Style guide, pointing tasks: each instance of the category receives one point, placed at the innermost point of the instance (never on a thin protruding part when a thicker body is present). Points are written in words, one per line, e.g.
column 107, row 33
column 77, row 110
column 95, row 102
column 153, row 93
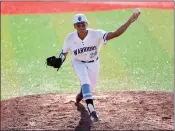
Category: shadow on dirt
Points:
column 85, row 122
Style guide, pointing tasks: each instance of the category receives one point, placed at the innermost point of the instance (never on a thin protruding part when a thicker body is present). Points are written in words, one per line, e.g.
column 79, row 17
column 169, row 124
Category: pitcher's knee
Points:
column 93, row 84
column 87, row 94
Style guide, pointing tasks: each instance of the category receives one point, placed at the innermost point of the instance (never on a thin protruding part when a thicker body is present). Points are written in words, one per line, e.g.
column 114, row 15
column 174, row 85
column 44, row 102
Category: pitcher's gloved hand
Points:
column 54, row 62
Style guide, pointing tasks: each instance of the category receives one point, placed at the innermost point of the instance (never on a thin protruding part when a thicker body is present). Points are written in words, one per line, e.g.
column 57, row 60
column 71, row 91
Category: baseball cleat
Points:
column 94, row 116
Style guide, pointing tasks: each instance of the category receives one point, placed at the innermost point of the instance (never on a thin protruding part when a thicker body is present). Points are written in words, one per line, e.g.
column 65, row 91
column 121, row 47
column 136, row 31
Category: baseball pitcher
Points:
column 84, row 45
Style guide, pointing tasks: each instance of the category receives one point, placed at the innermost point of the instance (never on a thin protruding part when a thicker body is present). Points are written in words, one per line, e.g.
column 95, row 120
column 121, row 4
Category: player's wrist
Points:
column 62, row 57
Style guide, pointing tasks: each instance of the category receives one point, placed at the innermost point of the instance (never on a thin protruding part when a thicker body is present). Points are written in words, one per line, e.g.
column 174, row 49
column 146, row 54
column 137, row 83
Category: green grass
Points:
column 140, row 59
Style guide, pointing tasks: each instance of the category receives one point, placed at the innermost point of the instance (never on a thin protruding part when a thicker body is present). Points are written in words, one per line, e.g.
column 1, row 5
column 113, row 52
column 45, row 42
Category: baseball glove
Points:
column 54, row 62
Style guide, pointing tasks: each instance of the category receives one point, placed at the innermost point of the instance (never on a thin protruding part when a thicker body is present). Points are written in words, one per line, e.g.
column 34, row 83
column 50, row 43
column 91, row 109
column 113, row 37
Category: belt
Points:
column 90, row 61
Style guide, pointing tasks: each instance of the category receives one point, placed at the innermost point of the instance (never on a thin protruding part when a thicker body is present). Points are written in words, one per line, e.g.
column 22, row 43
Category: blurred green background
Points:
column 140, row 59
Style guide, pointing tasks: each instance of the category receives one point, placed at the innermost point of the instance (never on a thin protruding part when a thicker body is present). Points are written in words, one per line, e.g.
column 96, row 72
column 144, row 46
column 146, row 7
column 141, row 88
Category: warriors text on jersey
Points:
column 87, row 49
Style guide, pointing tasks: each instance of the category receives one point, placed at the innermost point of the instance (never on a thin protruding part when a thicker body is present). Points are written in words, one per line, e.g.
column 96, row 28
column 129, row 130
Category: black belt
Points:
column 90, row 61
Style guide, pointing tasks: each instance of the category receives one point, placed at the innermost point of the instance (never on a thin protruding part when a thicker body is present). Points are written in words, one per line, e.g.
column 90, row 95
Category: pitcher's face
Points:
column 81, row 27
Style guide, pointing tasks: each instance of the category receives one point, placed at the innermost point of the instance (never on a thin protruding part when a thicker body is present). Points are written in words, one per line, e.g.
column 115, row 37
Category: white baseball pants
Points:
column 87, row 72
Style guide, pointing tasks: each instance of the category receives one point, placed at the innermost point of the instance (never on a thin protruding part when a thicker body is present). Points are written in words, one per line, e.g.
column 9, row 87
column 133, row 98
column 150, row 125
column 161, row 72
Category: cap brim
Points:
column 81, row 22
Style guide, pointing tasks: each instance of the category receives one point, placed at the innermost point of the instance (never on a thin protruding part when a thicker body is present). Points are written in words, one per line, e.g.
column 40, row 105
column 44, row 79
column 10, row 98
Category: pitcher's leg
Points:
column 86, row 94
column 93, row 72
column 81, row 71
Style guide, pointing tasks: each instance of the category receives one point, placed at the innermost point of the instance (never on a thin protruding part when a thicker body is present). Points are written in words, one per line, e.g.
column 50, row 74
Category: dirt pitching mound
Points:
column 118, row 111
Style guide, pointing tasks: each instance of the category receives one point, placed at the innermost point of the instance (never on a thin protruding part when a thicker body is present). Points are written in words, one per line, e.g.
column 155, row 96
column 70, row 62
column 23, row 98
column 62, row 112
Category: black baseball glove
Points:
column 54, row 62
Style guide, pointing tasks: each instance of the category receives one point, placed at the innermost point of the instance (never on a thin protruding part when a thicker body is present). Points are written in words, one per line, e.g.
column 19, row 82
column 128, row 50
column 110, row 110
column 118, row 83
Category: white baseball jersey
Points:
column 87, row 49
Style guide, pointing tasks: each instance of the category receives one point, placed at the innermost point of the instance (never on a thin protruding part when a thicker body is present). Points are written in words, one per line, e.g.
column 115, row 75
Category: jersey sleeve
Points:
column 102, row 36
column 66, row 46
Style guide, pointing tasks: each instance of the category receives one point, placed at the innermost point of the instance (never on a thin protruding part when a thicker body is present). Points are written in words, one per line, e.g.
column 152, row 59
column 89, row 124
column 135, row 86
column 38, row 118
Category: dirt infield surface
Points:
column 118, row 111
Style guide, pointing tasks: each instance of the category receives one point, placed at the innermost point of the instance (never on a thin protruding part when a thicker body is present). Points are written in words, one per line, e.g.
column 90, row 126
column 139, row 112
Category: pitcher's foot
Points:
column 94, row 116
column 79, row 97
